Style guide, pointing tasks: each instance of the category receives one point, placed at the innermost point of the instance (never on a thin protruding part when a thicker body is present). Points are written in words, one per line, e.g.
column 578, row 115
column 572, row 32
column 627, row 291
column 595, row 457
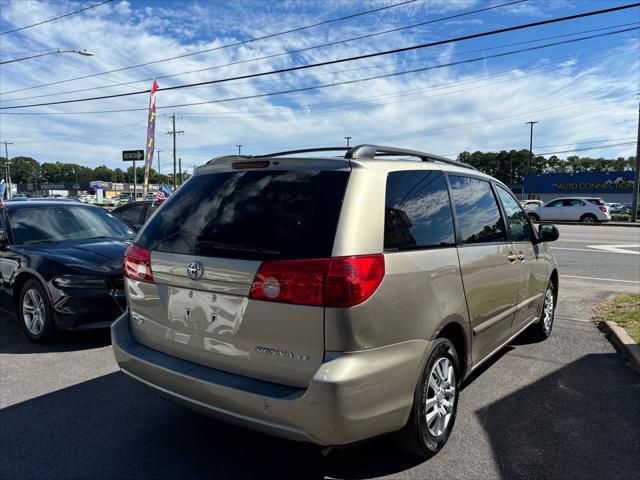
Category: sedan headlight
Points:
column 79, row 281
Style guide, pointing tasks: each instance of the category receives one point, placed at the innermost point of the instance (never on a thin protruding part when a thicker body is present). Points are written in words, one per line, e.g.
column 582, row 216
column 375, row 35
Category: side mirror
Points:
column 548, row 232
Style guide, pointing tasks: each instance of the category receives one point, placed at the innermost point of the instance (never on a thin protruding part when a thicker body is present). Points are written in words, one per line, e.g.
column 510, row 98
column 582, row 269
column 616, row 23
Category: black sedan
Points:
column 136, row 213
column 61, row 265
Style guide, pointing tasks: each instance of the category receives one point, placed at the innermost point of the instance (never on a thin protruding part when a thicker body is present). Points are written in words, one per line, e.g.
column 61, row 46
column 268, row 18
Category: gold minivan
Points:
column 332, row 299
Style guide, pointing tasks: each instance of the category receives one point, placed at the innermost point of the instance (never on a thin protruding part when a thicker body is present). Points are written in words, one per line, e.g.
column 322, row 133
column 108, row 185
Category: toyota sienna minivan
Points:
column 332, row 299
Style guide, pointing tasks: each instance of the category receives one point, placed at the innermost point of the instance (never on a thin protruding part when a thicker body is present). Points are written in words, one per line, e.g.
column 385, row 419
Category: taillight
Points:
column 137, row 264
column 352, row 280
column 329, row 282
column 602, row 208
column 290, row 281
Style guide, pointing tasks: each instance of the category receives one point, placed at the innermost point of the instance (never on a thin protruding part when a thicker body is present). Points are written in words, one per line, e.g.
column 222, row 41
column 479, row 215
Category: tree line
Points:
column 507, row 166
column 511, row 166
column 29, row 170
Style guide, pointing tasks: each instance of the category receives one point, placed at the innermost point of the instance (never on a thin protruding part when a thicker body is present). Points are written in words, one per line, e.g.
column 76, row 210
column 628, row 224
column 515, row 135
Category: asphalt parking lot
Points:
column 565, row 408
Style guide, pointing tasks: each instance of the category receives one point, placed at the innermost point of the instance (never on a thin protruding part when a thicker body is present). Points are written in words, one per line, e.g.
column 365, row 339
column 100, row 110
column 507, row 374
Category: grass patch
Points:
column 620, row 217
column 622, row 309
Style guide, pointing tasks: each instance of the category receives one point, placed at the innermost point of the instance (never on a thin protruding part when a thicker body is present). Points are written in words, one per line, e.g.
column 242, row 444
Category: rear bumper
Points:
column 351, row 397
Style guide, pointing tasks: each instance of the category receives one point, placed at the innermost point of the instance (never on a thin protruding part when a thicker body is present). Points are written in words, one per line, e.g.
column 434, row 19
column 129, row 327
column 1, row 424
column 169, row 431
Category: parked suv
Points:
column 331, row 300
column 571, row 209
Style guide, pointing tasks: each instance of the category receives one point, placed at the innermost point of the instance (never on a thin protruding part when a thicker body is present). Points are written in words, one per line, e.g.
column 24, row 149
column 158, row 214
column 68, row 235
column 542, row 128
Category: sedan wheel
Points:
column 33, row 312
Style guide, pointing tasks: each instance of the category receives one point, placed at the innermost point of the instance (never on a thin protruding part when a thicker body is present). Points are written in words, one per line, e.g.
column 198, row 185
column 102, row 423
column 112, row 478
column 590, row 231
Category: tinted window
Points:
column 250, row 214
column 57, row 224
column 417, row 210
column 150, row 210
column 476, row 210
column 131, row 213
column 572, row 203
column 557, row 203
column 518, row 222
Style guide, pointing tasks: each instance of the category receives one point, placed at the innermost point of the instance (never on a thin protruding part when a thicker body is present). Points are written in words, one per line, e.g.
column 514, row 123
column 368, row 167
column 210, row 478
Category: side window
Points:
column 573, row 203
column 518, row 221
column 2, row 229
column 478, row 215
column 557, row 203
column 417, row 210
column 150, row 210
column 131, row 214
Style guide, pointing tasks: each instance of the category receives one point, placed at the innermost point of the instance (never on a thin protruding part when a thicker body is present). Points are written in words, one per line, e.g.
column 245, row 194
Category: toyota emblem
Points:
column 195, row 269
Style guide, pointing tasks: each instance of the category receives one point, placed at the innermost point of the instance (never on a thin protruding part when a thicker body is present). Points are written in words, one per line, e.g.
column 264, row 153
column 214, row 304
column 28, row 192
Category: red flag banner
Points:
column 151, row 132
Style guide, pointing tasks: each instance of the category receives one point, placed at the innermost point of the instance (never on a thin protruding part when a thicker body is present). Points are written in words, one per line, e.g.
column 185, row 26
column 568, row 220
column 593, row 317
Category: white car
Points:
column 532, row 204
column 571, row 209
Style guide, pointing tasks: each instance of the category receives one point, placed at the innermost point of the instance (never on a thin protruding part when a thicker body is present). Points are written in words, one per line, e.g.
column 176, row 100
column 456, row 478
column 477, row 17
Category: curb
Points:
column 600, row 224
column 621, row 339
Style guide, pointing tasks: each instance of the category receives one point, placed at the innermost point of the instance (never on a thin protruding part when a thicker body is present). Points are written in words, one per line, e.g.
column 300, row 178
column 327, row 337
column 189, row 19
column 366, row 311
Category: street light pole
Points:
column 7, row 167
column 347, row 139
column 83, row 52
column 530, row 157
column 636, row 181
column 239, row 148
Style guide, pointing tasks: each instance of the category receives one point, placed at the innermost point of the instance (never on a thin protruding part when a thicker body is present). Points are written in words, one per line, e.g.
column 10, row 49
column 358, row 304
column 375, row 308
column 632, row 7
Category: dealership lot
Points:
column 564, row 408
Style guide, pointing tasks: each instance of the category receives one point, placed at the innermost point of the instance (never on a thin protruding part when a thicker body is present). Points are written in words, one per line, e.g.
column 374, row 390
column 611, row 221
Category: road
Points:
column 564, row 408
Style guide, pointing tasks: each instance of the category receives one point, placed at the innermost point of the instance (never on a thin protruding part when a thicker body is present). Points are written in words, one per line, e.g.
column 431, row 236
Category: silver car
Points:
column 332, row 299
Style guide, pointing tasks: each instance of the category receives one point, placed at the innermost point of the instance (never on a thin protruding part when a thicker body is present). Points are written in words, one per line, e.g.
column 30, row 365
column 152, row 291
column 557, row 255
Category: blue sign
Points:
column 586, row 182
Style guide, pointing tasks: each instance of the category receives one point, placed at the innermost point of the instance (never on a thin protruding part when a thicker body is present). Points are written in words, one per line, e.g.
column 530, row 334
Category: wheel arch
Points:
column 20, row 279
column 455, row 333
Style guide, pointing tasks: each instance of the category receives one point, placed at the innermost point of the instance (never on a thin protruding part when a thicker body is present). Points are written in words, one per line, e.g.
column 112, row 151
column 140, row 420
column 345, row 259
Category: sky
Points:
column 583, row 93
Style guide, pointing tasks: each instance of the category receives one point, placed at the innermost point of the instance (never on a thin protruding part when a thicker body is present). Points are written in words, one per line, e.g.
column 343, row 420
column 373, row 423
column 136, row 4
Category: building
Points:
column 610, row 186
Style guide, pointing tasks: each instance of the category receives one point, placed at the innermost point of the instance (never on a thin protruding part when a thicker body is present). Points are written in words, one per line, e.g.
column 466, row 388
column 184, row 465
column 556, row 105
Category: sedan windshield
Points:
column 61, row 223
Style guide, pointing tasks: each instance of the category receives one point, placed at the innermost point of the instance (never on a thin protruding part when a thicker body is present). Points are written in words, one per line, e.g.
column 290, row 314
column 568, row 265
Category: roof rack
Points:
column 372, row 151
column 358, row 152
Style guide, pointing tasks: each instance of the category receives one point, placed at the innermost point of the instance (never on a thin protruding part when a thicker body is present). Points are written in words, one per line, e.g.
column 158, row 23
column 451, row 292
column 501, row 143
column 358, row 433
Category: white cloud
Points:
column 576, row 99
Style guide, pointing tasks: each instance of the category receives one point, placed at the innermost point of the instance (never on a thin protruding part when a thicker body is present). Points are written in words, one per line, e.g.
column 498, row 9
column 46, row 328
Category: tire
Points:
column 34, row 312
column 423, row 437
column 534, row 217
column 588, row 218
column 541, row 330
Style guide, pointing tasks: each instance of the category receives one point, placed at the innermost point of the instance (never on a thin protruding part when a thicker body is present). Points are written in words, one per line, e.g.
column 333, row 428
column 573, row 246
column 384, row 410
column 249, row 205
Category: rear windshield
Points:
column 250, row 215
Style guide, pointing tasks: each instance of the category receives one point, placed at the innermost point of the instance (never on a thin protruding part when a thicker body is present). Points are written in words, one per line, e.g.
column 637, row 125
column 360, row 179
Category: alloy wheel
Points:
column 440, row 398
column 33, row 311
column 548, row 310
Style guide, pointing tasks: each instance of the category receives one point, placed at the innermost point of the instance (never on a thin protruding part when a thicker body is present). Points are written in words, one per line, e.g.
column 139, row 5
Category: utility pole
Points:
column 347, row 139
column 174, row 132
column 158, row 152
column 239, row 149
column 636, row 180
column 530, row 157
column 7, row 167
column 180, row 168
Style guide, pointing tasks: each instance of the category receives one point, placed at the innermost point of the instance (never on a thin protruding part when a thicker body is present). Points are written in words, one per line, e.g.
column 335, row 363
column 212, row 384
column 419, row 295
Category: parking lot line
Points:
column 600, row 279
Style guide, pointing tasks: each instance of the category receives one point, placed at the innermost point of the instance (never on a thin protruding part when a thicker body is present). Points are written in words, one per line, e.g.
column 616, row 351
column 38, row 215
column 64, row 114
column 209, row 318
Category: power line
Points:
column 234, row 44
column 584, row 143
column 56, row 18
column 344, row 106
column 345, row 82
column 275, row 55
column 597, row 147
column 348, row 59
column 131, row 83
